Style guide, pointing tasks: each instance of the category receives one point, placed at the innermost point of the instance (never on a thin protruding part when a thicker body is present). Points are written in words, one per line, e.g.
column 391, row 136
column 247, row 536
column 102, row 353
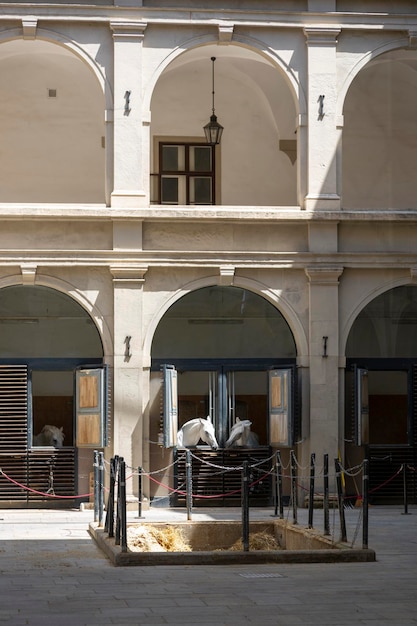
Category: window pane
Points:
column 173, row 158
column 169, row 190
column 200, row 190
column 200, row 159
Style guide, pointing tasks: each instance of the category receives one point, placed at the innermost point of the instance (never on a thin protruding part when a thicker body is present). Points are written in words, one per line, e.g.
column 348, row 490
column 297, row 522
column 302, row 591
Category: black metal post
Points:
column 189, row 481
column 405, row 489
column 123, row 512
column 311, row 494
column 276, row 487
column 294, row 486
column 101, row 488
column 326, row 495
column 109, row 525
column 140, row 476
column 96, row 484
column 279, row 503
column 245, row 506
column 118, row 501
column 343, row 534
column 365, row 504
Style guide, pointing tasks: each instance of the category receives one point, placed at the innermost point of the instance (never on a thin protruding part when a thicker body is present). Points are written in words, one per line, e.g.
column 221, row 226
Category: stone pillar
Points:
column 324, row 362
column 323, row 127
column 128, row 281
column 127, row 146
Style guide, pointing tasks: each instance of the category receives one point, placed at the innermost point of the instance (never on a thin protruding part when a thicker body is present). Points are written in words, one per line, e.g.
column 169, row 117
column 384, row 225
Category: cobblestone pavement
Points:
column 52, row 573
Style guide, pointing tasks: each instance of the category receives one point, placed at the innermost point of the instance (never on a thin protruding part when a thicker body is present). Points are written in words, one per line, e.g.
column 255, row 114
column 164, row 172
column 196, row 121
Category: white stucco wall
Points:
column 75, row 208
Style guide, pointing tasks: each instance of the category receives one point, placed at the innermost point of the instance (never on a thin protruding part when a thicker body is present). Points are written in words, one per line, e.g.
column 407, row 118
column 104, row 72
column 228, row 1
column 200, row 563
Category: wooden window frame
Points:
column 156, row 194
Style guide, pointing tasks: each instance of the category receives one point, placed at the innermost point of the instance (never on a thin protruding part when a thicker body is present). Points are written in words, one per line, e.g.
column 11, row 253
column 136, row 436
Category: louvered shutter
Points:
column 13, row 408
column 281, row 408
column 91, row 407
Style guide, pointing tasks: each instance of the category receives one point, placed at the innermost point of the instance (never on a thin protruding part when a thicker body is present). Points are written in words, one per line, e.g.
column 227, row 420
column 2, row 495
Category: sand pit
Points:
column 147, row 538
column 151, row 539
column 220, row 543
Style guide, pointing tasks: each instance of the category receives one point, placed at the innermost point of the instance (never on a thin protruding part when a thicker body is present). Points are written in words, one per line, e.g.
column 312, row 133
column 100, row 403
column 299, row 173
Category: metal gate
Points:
column 217, row 479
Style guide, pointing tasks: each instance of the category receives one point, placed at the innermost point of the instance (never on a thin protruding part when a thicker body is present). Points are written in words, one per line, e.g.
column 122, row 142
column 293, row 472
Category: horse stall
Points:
column 34, row 475
column 216, row 473
column 212, row 487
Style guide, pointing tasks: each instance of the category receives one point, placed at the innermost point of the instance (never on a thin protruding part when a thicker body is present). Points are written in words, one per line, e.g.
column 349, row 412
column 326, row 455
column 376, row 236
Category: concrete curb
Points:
column 333, row 555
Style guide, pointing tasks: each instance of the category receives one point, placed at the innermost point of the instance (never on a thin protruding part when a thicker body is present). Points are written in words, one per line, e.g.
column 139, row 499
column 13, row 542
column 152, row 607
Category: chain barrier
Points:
column 248, row 481
column 255, row 475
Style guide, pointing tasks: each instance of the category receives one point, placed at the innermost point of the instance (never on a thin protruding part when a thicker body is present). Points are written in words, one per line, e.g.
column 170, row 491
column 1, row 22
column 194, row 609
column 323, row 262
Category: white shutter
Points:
column 170, row 408
column 361, row 406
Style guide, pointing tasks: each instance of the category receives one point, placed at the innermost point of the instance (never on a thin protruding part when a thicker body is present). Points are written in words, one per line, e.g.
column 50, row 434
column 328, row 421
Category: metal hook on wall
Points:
column 127, row 102
column 321, row 106
column 325, row 355
column 128, row 352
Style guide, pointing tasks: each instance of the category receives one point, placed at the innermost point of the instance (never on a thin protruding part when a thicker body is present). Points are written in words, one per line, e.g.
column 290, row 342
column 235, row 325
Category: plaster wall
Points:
column 128, row 263
column 61, row 235
column 386, row 237
column 230, row 237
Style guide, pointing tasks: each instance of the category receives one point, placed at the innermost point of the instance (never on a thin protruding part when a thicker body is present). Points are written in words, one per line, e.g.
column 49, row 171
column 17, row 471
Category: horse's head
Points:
column 207, row 433
column 239, row 433
column 54, row 435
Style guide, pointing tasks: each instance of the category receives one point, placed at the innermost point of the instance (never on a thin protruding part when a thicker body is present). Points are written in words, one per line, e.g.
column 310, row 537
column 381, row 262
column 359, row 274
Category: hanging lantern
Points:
column 213, row 130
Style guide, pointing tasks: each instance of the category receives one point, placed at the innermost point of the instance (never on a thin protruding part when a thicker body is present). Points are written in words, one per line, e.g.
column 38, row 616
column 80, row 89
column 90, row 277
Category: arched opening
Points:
column 379, row 143
column 255, row 164
column 51, row 124
column 381, row 389
column 48, row 343
column 225, row 343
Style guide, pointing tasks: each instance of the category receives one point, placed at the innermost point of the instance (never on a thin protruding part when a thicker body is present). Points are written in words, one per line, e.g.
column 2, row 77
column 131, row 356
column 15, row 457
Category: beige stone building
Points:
column 273, row 272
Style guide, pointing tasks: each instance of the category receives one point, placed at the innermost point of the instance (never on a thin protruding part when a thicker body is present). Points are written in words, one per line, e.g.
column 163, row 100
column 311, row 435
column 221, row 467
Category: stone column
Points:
column 323, row 127
column 128, row 281
column 324, row 362
column 127, row 156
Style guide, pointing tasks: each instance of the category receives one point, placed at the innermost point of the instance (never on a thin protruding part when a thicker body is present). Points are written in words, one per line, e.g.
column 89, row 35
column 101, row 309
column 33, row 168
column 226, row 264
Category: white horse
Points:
column 196, row 429
column 50, row 436
column 241, row 435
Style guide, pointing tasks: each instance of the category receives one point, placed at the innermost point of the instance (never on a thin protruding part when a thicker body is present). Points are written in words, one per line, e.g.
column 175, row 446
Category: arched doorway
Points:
column 379, row 145
column 50, row 353
column 381, row 391
column 226, row 343
column 255, row 164
column 52, row 125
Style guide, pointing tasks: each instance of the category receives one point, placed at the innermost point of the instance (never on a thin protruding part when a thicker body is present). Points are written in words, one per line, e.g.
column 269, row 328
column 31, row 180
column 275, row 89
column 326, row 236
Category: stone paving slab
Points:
column 53, row 574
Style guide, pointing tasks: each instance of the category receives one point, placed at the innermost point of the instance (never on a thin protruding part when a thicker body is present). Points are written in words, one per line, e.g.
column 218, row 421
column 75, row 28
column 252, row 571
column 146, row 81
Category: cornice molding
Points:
column 324, row 275
column 128, row 30
column 321, row 36
column 128, row 273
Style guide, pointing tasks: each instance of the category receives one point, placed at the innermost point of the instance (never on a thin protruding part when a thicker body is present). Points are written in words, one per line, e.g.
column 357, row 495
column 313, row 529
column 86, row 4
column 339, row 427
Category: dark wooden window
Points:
column 186, row 174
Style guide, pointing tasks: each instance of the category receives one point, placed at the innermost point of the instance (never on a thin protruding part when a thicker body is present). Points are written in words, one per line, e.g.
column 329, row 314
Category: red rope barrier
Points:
column 387, row 481
column 201, row 497
column 41, row 493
